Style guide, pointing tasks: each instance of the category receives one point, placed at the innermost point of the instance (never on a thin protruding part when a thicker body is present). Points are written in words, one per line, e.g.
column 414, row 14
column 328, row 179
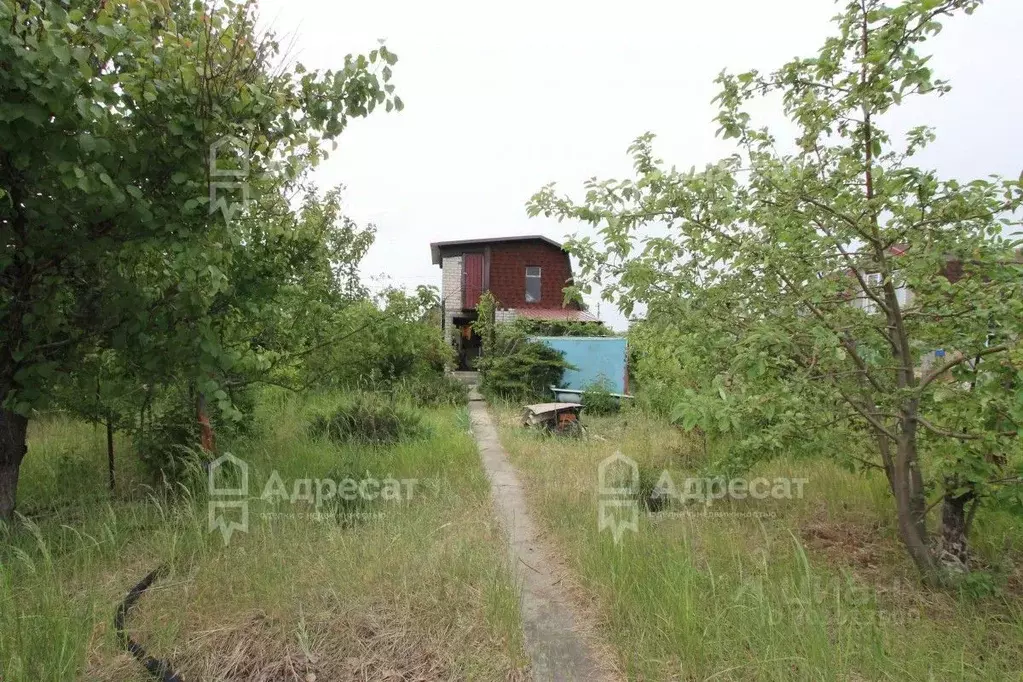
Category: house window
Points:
column 532, row 285
column 902, row 293
column 873, row 281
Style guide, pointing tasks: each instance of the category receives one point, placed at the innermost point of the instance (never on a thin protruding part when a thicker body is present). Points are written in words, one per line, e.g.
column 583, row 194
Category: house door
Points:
column 472, row 279
column 469, row 343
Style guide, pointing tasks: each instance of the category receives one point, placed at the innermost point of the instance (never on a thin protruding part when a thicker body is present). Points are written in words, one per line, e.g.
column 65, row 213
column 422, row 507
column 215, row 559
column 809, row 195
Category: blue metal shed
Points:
column 596, row 359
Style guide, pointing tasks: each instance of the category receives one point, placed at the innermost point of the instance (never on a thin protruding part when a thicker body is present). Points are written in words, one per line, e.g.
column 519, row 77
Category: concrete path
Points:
column 557, row 648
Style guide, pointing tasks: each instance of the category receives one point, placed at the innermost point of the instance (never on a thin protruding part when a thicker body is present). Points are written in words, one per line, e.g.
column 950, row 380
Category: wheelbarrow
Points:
column 554, row 417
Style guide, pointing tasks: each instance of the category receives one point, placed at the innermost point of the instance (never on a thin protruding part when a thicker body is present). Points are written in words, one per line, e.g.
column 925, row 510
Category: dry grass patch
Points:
column 864, row 547
column 813, row 588
column 417, row 590
column 377, row 647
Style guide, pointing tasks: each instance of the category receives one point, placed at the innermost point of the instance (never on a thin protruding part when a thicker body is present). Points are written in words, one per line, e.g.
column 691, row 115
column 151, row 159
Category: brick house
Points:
column 954, row 270
column 526, row 275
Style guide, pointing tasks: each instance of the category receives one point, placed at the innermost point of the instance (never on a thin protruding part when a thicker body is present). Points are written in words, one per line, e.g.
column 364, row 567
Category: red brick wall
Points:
column 508, row 263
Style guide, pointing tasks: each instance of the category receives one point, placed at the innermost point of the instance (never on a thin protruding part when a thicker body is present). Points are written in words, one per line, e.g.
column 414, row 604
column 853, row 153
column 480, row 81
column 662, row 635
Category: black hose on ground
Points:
column 160, row 670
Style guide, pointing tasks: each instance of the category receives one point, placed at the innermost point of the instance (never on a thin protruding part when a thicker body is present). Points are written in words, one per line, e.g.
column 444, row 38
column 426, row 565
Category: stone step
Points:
column 467, row 378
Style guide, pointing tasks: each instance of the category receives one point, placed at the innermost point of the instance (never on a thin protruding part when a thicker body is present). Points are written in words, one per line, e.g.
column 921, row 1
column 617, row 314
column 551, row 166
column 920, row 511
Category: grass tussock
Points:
column 810, row 588
column 371, row 418
column 418, row 589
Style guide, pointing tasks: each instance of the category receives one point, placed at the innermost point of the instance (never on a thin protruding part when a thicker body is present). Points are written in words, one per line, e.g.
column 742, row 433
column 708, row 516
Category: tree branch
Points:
column 958, row 358
column 958, row 435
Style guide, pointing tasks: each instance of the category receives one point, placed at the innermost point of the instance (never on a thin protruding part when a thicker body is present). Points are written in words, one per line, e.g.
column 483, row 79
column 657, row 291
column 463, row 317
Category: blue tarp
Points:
column 596, row 359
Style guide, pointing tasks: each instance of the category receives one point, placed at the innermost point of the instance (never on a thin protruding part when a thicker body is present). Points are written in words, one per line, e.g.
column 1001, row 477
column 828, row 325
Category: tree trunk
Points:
column 955, row 552
column 907, row 505
column 13, row 431
column 110, row 452
column 205, row 428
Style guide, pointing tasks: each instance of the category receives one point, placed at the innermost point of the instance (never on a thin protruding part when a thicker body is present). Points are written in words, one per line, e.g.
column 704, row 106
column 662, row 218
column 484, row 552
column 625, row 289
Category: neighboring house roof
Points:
column 567, row 314
column 435, row 247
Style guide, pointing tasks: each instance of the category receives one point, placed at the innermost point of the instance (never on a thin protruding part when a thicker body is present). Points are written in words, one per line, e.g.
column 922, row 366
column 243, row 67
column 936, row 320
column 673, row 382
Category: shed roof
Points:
column 435, row 247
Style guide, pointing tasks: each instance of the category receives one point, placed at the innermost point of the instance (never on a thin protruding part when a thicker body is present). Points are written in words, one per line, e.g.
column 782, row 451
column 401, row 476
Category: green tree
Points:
column 382, row 343
column 146, row 148
column 792, row 263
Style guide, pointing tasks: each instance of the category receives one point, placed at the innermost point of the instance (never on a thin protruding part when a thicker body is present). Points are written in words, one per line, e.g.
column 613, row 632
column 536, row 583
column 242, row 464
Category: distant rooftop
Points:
column 567, row 314
column 435, row 247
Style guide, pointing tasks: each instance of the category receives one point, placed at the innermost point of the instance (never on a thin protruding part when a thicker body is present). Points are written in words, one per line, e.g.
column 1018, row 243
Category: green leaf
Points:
column 62, row 53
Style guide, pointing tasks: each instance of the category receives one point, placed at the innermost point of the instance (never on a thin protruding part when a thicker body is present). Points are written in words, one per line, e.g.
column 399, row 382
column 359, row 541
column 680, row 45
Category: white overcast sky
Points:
column 503, row 98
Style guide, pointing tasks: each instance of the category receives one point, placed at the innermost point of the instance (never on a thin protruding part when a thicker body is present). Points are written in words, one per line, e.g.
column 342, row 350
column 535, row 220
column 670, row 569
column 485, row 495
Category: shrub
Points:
column 520, row 369
column 169, row 441
column 169, row 447
column 386, row 347
column 597, row 399
column 371, row 418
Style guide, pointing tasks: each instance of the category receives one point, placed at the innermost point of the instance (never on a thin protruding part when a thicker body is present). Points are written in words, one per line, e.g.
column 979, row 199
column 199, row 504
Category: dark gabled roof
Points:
column 435, row 247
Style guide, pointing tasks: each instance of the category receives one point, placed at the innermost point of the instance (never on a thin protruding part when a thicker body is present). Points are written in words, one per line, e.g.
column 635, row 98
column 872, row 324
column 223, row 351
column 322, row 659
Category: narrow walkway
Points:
column 556, row 648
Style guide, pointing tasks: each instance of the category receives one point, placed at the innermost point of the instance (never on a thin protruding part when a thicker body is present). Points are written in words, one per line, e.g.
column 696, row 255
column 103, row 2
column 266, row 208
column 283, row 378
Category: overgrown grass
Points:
column 417, row 587
column 816, row 588
column 432, row 391
column 370, row 419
